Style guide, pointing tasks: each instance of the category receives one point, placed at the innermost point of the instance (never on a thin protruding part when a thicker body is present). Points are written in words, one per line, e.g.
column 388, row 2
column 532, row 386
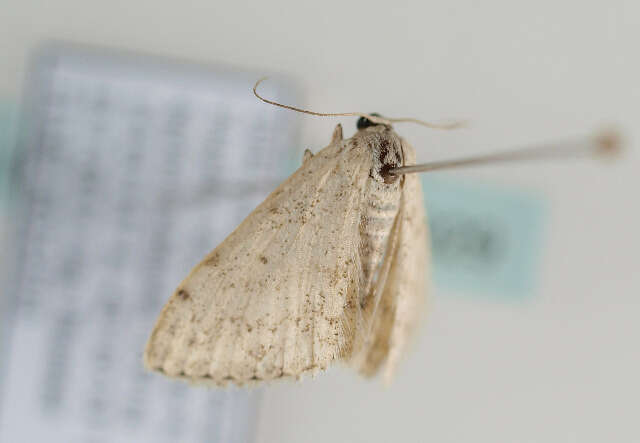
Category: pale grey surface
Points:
column 561, row 367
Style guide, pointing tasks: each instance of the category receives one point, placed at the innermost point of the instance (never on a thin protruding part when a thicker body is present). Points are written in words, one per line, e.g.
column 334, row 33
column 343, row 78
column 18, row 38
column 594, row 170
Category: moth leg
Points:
column 306, row 156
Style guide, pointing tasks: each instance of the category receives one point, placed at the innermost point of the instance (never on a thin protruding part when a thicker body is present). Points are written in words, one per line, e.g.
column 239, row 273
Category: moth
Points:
column 331, row 267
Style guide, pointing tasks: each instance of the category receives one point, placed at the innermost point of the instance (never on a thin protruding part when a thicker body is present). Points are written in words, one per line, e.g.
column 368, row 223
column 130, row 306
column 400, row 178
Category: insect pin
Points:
column 332, row 266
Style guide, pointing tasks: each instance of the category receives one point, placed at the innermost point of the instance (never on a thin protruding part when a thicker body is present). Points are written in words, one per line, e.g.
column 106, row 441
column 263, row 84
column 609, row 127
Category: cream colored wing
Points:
column 279, row 296
column 404, row 275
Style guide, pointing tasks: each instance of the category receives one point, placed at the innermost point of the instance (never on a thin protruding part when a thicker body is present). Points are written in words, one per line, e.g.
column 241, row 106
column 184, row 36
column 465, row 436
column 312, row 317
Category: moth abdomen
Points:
column 382, row 201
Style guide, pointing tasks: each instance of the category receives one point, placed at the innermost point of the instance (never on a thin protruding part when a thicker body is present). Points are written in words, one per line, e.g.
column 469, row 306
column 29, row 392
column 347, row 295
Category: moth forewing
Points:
column 278, row 296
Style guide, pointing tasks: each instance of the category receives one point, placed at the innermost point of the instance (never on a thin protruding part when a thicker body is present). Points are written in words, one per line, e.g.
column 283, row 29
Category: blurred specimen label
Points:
column 485, row 239
column 131, row 170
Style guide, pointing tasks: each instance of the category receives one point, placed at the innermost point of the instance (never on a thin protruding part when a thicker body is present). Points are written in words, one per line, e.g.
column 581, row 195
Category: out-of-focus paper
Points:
column 132, row 170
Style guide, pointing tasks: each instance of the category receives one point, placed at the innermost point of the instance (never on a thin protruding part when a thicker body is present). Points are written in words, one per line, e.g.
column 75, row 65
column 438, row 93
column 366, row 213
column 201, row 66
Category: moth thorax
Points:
column 386, row 151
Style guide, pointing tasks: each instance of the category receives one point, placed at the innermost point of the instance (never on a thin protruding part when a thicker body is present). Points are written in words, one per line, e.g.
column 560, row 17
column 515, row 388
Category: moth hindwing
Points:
column 331, row 266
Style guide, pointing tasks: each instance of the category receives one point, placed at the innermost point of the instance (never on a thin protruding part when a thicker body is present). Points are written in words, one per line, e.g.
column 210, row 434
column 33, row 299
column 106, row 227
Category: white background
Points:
column 561, row 367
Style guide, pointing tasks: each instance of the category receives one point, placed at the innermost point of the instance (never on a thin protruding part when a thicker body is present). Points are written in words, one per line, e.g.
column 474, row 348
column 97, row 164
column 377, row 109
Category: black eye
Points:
column 364, row 122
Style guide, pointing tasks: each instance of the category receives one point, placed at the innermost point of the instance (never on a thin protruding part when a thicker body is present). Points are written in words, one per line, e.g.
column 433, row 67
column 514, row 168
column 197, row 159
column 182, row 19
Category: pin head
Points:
column 364, row 122
column 609, row 142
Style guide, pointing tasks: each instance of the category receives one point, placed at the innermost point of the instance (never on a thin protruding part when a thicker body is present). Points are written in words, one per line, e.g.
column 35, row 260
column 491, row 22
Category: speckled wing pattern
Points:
column 403, row 282
column 279, row 297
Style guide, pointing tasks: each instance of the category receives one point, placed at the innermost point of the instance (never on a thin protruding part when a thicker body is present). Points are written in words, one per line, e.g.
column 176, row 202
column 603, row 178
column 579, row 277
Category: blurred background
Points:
column 131, row 145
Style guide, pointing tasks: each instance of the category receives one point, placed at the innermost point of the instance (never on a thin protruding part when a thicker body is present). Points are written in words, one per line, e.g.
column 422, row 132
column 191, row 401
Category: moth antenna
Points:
column 603, row 143
column 373, row 118
column 446, row 126
column 306, row 111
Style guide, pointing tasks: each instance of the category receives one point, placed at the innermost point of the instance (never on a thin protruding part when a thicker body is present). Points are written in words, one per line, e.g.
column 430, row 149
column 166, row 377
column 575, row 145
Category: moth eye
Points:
column 364, row 122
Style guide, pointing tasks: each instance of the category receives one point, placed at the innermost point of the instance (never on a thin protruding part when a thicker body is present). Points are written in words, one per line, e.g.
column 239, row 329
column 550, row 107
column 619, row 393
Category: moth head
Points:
column 364, row 122
column 385, row 146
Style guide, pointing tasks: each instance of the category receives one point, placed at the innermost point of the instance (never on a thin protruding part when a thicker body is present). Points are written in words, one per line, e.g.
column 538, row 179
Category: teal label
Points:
column 486, row 240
